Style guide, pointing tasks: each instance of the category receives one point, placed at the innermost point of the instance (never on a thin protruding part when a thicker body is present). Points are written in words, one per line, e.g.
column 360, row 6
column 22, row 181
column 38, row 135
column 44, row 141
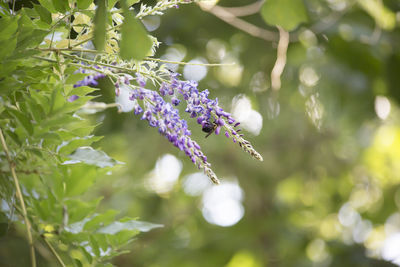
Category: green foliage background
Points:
column 312, row 165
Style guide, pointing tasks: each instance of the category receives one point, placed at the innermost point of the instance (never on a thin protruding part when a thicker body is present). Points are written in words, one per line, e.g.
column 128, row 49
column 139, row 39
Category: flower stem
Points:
column 20, row 198
column 188, row 63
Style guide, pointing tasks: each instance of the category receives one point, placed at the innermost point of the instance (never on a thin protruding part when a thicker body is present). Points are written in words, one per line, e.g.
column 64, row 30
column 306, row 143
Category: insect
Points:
column 209, row 128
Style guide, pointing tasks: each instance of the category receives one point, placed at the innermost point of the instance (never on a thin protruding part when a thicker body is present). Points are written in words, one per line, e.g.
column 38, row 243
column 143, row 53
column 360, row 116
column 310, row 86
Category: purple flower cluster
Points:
column 207, row 111
column 90, row 80
column 125, row 79
column 199, row 105
column 165, row 117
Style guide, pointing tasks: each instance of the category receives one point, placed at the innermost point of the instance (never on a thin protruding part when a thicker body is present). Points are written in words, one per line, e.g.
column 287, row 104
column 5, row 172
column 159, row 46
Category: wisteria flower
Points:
column 162, row 115
column 207, row 111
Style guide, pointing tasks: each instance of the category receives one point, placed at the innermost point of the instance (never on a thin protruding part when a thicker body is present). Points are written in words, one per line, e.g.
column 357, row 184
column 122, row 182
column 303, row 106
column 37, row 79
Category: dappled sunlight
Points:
column 382, row 107
column 249, row 118
column 244, row 259
column 315, row 110
column 222, row 205
column 165, row 174
column 194, row 184
column 316, row 251
column 391, row 249
column 308, row 76
column 216, row 50
column 230, row 74
column 195, row 72
column 175, row 53
column 382, row 158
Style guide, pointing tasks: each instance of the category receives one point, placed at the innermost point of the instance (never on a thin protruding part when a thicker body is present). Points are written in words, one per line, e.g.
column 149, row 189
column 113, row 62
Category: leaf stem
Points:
column 93, row 62
column 20, row 198
column 54, row 252
column 148, row 58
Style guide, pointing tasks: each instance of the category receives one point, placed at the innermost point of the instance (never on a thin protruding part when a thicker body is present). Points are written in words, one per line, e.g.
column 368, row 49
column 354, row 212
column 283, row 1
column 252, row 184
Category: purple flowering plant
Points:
column 158, row 108
column 157, row 101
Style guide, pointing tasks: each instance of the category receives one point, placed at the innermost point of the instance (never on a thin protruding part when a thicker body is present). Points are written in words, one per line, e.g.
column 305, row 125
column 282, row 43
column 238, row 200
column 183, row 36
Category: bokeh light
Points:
column 250, row 119
column 222, row 205
column 165, row 174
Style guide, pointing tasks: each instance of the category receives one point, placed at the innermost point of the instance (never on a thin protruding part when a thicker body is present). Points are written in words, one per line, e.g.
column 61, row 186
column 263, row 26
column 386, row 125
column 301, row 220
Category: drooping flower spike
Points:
column 162, row 115
column 206, row 110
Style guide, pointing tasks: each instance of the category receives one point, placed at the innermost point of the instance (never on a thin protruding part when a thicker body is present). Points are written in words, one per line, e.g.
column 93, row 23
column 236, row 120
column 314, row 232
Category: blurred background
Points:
column 327, row 192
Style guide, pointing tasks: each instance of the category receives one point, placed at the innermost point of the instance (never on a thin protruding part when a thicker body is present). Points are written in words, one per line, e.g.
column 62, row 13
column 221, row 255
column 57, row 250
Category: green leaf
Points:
column 135, row 43
column 57, row 100
column 44, row 14
column 76, row 228
column 100, row 23
column 87, row 254
column 84, row 4
column 78, row 262
column 75, row 184
column 285, row 13
column 100, row 219
column 25, row 28
column 111, row 3
column 7, row 47
column 91, row 156
column 116, row 227
column 76, row 77
column 82, row 90
column 32, row 39
column 78, row 209
column 131, row 2
column 69, row 146
column 8, row 27
column 48, row 5
column 22, row 120
column 36, row 110
column 61, row 5
column 94, row 245
column 42, row 100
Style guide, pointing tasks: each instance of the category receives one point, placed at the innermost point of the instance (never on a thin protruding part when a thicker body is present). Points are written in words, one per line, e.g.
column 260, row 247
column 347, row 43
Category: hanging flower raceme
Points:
column 90, row 80
column 207, row 111
column 165, row 117
column 160, row 112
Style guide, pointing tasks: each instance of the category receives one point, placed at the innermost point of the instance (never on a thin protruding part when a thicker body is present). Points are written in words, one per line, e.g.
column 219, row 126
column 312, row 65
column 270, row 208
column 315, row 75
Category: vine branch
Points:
column 223, row 14
column 280, row 62
column 246, row 10
column 20, row 198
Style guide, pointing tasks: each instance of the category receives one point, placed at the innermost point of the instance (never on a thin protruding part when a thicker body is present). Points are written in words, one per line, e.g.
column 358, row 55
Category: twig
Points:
column 188, row 63
column 20, row 198
column 71, row 50
column 230, row 15
column 54, row 252
column 280, row 59
column 246, row 10
column 243, row 25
